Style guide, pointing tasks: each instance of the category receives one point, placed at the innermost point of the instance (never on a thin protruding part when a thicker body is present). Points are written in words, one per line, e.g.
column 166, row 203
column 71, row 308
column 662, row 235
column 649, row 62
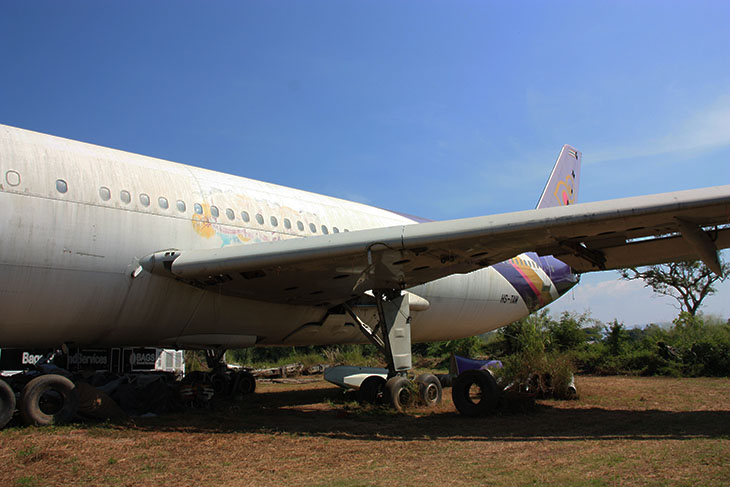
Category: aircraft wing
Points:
column 331, row 269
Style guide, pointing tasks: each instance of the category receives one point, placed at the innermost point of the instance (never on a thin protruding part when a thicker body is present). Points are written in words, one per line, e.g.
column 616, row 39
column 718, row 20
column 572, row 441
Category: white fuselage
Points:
column 69, row 261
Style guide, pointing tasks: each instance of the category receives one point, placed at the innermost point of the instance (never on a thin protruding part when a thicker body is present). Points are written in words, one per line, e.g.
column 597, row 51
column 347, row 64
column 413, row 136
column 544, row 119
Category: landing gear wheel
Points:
column 245, row 383
column 429, row 390
column 49, row 399
column 221, row 384
column 475, row 393
column 371, row 390
column 7, row 403
column 399, row 393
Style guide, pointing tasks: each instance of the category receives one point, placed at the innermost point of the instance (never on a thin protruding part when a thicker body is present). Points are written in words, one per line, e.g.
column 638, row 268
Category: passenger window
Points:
column 162, row 201
column 313, row 228
column 125, row 196
column 214, row 211
column 287, row 223
column 259, row 218
column 13, row 178
column 300, row 226
column 61, row 186
column 335, row 230
column 274, row 221
column 144, row 199
column 198, row 208
column 230, row 214
column 181, row 206
column 104, row 193
column 245, row 217
column 324, row 230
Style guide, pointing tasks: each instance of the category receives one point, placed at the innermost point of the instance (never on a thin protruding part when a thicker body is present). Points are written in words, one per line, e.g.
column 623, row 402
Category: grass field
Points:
column 621, row 431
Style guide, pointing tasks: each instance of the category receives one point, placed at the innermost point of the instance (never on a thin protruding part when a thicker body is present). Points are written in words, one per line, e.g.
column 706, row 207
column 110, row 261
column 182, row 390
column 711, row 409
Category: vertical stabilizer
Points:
column 562, row 186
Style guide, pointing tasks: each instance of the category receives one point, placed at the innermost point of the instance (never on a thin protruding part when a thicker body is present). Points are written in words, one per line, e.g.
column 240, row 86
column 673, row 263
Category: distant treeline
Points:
column 692, row 346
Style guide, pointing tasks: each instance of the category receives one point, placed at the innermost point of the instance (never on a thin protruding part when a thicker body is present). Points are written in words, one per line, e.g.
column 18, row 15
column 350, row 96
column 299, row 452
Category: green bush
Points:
column 561, row 369
column 642, row 362
column 352, row 355
column 262, row 357
column 591, row 359
column 567, row 333
column 466, row 347
column 550, row 375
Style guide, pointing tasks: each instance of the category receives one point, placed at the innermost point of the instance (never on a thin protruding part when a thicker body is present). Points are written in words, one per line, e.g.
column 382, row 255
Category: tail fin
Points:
column 562, row 187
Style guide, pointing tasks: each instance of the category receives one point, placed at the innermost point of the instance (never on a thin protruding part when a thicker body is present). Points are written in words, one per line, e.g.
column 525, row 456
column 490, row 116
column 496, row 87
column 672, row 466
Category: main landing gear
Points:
column 227, row 381
column 198, row 388
column 392, row 336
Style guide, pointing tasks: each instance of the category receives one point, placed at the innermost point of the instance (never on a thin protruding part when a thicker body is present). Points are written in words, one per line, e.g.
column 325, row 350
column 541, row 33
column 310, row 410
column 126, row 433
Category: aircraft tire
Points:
column 372, row 390
column 221, row 384
column 49, row 399
column 7, row 403
column 399, row 393
column 429, row 390
column 484, row 401
column 245, row 383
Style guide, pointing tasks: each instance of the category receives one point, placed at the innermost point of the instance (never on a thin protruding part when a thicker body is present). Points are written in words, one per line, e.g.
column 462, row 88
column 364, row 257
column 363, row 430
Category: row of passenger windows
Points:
column 125, row 197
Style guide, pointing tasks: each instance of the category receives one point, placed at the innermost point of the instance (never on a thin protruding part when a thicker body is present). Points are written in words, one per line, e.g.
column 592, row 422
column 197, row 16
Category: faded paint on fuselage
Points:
column 68, row 259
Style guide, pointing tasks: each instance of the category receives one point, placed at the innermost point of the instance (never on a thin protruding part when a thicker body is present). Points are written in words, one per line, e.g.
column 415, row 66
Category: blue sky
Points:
column 439, row 109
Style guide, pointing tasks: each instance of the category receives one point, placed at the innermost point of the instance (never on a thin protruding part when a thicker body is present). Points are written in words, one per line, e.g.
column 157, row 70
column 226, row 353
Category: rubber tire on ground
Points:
column 429, row 390
column 399, row 393
column 372, row 390
column 7, row 403
column 30, row 400
column 488, row 397
column 245, row 382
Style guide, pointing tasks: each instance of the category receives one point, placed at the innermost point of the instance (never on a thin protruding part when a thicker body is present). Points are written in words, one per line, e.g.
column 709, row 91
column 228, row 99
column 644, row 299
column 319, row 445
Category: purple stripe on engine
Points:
column 559, row 272
column 518, row 281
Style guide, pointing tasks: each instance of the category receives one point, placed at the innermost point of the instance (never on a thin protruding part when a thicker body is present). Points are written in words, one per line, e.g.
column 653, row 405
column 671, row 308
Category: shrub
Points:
column 641, row 362
column 561, row 369
column 466, row 347
column 549, row 375
column 567, row 333
column 590, row 359
column 351, row 355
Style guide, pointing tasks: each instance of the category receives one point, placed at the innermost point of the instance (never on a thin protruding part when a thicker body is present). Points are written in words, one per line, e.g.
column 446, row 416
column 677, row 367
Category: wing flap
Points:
column 645, row 252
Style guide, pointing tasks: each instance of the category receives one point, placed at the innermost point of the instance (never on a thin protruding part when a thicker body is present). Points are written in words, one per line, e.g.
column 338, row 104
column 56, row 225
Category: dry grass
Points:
column 627, row 431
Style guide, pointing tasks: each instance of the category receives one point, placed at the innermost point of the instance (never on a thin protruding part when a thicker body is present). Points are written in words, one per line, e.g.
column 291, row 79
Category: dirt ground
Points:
column 620, row 431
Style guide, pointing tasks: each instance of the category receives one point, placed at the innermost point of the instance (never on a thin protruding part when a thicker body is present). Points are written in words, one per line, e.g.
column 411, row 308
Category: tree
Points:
column 616, row 337
column 688, row 282
column 526, row 335
column 568, row 333
column 466, row 347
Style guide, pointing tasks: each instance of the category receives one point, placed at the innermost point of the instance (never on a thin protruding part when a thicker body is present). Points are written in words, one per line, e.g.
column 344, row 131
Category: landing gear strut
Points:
column 392, row 336
column 223, row 380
